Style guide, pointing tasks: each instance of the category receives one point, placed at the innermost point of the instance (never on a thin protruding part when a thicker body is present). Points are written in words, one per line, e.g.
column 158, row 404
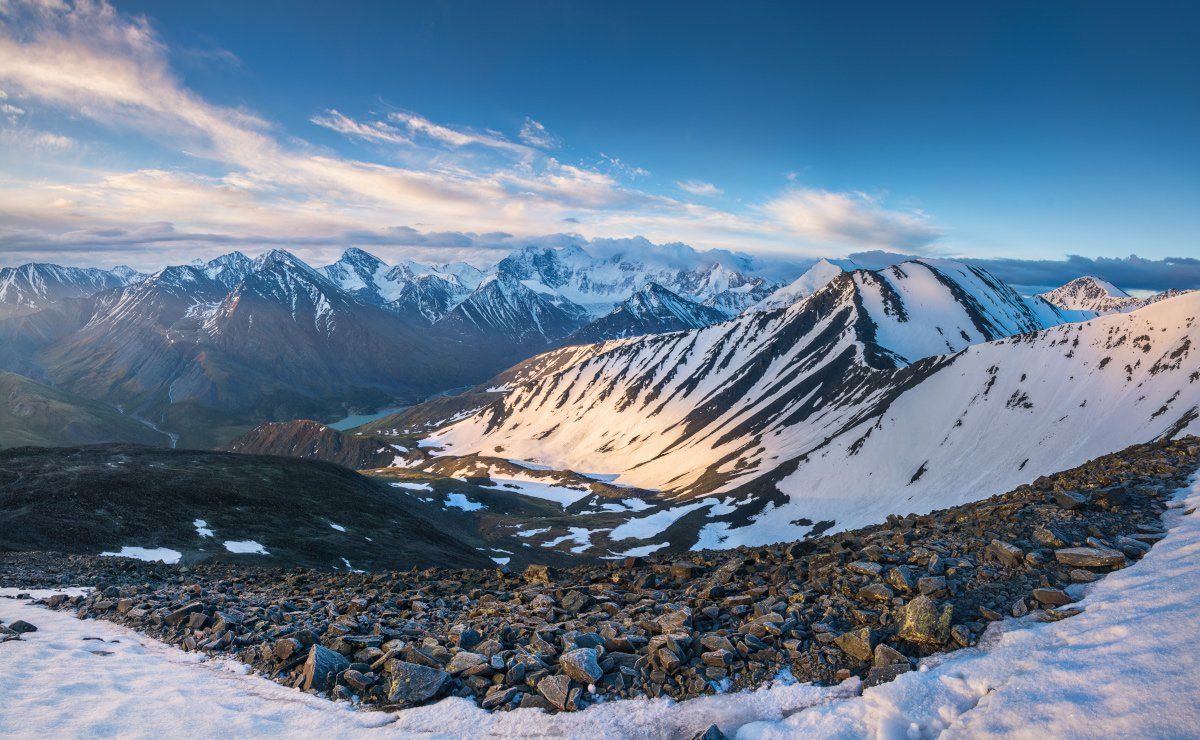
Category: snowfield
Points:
column 1126, row 667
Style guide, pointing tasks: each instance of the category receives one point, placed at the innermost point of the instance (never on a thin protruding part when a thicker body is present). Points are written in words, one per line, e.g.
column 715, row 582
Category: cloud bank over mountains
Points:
column 1129, row 273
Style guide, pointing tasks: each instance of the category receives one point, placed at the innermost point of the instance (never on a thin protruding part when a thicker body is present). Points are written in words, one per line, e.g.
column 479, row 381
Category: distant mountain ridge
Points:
column 29, row 288
column 211, row 348
column 1089, row 293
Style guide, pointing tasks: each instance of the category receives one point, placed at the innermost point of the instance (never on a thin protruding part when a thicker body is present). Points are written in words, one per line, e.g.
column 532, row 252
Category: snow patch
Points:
column 245, row 547
column 460, row 501
column 148, row 554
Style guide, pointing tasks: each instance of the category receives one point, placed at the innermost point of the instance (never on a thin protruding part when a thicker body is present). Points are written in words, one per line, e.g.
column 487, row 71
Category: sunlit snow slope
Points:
column 827, row 411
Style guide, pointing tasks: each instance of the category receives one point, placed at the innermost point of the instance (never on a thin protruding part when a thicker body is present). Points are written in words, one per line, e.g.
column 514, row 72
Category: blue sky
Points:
column 150, row 130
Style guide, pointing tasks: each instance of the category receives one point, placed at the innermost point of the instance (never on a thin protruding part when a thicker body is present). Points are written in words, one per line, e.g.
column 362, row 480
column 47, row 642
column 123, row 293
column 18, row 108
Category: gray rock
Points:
column 887, row 655
column 1051, row 596
column 581, row 664
column 930, row 585
column 176, row 617
column 556, row 689
column 415, row 684
column 1090, row 557
column 1006, row 553
column 717, row 658
column 22, row 627
column 922, row 624
column 1131, row 547
column 675, row 620
column 356, row 680
column 574, row 601
column 465, row 661
column 876, row 592
column 539, row 574
column 858, row 644
column 866, row 568
column 1070, row 500
column 286, row 647
column 901, row 578
column 712, row 733
column 321, row 667
column 1048, row 538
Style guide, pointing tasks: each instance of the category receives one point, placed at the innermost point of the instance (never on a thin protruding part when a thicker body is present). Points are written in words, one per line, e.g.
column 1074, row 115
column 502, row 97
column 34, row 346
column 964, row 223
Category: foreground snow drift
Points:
column 1125, row 667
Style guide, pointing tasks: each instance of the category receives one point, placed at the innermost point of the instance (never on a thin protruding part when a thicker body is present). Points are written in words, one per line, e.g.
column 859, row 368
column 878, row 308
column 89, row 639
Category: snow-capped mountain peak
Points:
column 815, row 278
column 127, row 275
column 1090, row 294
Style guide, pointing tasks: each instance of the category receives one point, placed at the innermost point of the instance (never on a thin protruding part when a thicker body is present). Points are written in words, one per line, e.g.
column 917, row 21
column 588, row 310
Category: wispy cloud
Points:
column 370, row 131
column 621, row 167
column 535, row 134
column 698, row 187
column 452, row 136
column 850, row 218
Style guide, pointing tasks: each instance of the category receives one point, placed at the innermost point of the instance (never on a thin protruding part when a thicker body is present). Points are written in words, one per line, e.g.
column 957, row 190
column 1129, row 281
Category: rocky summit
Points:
column 868, row 602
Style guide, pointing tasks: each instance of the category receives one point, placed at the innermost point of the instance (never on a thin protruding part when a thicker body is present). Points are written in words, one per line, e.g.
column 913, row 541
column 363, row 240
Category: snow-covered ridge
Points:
column 877, row 394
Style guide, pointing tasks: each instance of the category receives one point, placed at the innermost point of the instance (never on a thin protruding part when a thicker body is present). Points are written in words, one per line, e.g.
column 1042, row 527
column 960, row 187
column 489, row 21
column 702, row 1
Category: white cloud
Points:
column 454, row 137
column 621, row 167
column 534, row 133
column 698, row 187
column 849, row 218
column 372, row 131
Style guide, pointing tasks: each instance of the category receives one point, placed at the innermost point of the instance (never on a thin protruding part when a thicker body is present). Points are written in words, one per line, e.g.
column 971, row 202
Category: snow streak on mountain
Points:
column 27, row 288
column 883, row 392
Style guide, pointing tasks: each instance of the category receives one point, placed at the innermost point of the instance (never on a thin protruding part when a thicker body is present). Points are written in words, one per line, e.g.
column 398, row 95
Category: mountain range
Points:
column 209, row 349
column 668, row 402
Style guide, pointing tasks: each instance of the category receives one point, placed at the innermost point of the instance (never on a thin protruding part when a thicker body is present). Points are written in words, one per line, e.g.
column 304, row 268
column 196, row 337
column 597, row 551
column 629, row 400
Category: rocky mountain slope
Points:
column 192, row 507
column 32, row 414
column 311, row 440
column 879, row 382
column 870, row 602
